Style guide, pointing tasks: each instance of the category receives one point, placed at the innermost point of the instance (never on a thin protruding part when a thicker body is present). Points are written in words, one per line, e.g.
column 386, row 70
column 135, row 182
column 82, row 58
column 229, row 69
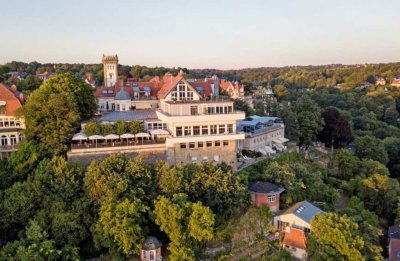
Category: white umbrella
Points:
column 79, row 136
column 127, row 136
column 111, row 137
column 142, row 135
column 96, row 137
column 159, row 132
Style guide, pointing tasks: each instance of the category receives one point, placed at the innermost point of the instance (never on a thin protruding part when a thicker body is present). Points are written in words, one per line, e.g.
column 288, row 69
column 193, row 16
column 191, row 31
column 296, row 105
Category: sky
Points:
column 222, row 34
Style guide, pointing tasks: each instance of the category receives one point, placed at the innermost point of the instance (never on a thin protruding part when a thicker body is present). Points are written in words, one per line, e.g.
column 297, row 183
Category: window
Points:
column 213, row 129
column 226, row 143
column 192, row 145
column 217, row 143
column 3, row 140
column 230, row 109
column 221, row 129
column 149, row 126
column 13, row 139
column 183, row 145
column 179, row 132
column 204, row 130
column 188, row 131
column 194, row 110
column 143, row 254
column 230, row 128
column 151, row 255
column 200, row 144
column 196, row 130
column 271, row 198
column 210, row 110
column 209, row 144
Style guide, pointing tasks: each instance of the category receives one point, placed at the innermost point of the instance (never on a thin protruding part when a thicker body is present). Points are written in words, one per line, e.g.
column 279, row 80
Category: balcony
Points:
column 203, row 100
column 13, row 147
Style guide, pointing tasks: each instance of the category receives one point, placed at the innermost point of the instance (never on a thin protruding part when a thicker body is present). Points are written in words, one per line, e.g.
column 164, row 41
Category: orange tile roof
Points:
column 12, row 102
column 168, row 86
column 295, row 238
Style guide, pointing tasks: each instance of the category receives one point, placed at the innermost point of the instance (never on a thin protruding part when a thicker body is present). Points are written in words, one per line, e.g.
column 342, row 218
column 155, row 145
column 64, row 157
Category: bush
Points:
column 251, row 154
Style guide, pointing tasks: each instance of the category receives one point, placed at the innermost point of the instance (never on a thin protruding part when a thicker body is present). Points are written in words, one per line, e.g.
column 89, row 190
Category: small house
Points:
column 265, row 194
column 294, row 240
column 151, row 250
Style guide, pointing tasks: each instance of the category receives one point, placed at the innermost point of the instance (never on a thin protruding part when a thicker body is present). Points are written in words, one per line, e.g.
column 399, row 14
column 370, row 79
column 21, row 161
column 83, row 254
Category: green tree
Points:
column 120, row 127
column 379, row 193
column 334, row 237
column 281, row 91
column 309, row 119
column 288, row 115
column 92, row 127
column 187, row 225
column 345, row 163
column 368, row 147
column 135, row 127
column 106, row 128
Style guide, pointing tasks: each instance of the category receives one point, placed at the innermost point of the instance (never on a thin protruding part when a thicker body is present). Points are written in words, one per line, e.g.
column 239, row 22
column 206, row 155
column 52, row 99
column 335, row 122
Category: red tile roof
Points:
column 295, row 238
column 168, row 86
column 10, row 97
column 206, row 86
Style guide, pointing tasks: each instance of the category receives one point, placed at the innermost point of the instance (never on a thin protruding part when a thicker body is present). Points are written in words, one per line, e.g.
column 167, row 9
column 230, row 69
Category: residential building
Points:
column 297, row 216
column 294, row 240
column 262, row 134
column 233, row 89
column 265, row 194
column 11, row 126
column 151, row 250
column 394, row 242
column 380, row 80
column 396, row 81
column 89, row 79
column 43, row 76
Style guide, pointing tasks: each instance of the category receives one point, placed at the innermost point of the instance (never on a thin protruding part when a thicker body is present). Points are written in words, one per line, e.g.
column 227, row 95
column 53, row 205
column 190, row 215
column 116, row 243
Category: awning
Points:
column 79, row 136
column 277, row 141
column 142, row 135
column 96, row 137
column 127, row 136
column 159, row 132
column 111, row 137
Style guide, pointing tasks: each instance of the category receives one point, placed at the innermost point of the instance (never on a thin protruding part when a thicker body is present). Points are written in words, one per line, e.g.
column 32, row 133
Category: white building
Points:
column 110, row 64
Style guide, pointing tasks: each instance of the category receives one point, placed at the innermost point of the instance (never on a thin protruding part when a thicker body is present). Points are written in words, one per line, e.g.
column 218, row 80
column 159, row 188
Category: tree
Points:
column 106, row 128
column 187, row 225
column 346, row 164
column 379, row 193
column 52, row 112
column 334, row 237
column 392, row 146
column 120, row 127
column 288, row 115
column 336, row 131
column 135, row 127
column 122, row 222
column 281, row 91
column 368, row 224
column 368, row 147
column 309, row 119
column 92, row 127
column 241, row 105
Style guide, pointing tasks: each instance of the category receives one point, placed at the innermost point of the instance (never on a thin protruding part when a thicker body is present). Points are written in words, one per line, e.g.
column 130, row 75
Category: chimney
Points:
column 21, row 97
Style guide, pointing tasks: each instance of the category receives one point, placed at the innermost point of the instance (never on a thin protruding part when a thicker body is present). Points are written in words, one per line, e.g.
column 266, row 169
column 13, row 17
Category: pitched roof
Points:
column 151, row 243
column 394, row 231
column 265, row 187
column 303, row 210
column 295, row 238
column 167, row 87
column 206, row 87
column 11, row 99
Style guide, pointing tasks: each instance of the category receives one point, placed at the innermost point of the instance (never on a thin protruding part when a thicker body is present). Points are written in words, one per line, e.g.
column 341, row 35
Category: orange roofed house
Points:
column 10, row 126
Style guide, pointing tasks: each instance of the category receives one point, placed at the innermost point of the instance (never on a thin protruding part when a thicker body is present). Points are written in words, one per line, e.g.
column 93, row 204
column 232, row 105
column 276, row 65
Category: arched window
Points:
column 13, row 139
column 151, row 255
column 3, row 140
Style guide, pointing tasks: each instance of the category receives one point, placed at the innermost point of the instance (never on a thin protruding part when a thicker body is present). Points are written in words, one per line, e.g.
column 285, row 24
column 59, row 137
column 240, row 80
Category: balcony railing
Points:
column 204, row 100
column 263, row 129
column 109, row 144
column 9, row 147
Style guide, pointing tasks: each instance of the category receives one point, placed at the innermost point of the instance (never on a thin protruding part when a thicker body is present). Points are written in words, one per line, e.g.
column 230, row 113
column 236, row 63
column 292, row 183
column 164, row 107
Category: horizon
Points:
column 223, row 35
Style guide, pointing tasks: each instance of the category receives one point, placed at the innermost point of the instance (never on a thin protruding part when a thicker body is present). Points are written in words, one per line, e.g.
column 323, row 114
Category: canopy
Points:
column 79, row 136
column 159, row 132
column 280, row 140
column 96, row 137
column 127, row 136
column 142, row 135
column 111, row 137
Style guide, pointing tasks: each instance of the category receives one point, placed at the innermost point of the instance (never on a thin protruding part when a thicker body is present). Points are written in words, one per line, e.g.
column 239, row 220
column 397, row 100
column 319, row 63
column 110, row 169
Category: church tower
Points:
column 110, row 65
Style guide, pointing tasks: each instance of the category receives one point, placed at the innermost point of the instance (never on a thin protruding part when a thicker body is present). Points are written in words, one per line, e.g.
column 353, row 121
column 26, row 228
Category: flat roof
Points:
column 130, row 115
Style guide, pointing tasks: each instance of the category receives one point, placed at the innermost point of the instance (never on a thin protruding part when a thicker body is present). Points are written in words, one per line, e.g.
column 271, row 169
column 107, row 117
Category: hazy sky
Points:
column 221, row 34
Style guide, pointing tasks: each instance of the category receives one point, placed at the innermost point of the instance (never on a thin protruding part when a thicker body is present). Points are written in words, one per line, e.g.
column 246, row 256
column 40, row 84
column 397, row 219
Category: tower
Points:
column 110, row 65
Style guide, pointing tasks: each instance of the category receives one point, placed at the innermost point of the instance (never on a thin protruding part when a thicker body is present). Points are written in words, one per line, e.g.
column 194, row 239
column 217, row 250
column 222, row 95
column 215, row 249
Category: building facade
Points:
column 11, row 126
